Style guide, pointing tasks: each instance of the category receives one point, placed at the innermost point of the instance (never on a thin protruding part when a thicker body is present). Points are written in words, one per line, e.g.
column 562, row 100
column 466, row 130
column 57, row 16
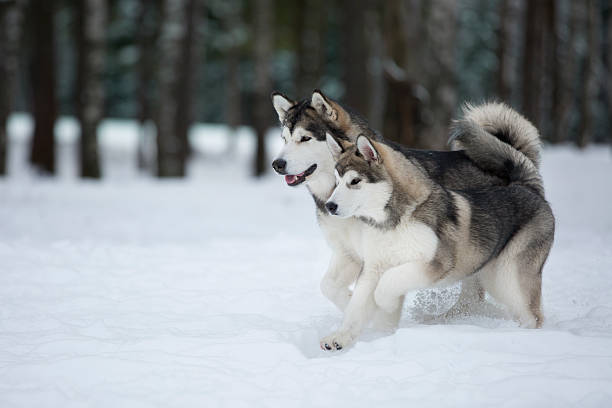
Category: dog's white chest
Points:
column 343, row 234
column 409, row 241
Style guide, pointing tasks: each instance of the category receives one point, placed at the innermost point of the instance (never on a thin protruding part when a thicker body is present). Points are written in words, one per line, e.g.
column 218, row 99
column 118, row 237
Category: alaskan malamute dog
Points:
column 418, row 233
column 305, row 159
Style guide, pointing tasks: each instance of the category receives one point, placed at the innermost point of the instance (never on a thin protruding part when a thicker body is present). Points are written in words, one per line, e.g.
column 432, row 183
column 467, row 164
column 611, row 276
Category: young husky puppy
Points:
column 305, row 159
column 419, row 234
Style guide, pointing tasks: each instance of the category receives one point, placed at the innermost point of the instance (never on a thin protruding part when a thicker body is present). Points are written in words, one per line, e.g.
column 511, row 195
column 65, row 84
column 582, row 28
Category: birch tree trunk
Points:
column 90, row 105
column 10, row 33
column 263, row 20
column 42, row 71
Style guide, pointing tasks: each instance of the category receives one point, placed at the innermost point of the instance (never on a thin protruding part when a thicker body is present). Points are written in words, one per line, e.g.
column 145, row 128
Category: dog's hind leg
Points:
column 531, row 262
column 342, row 272
column 471, row 294
column 516, row 288
column 387, row 322
column 515, row 278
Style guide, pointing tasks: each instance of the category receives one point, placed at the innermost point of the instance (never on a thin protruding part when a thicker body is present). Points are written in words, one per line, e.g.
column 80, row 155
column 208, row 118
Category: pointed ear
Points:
column 367, row 150
column 323, row 105
column 334, row 146
column 281, row 104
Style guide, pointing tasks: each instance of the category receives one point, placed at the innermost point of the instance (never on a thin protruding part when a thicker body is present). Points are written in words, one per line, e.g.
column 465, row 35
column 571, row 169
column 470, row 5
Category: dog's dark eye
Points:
column 355, row 181
column 305, row 139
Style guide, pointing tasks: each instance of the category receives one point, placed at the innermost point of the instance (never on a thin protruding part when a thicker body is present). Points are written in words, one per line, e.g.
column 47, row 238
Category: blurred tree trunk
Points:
column 553, row 71
column 262, row 34
column 503, row 83
column 590, row 84
column 170, row 144
column 401, row 120
column 148, row 22
column 190, row 65
column 402, row 114
column 566, row 71
column 355, row 55
column 10, row 33
column 233, row 106
column 608, row 79
column 91, row 28
column 42, row 71
column 310, row 27
column 440, row 77
column 420, row 71
column 376, row 56
column 533, row 61
column 509, row 15
column 540, row 82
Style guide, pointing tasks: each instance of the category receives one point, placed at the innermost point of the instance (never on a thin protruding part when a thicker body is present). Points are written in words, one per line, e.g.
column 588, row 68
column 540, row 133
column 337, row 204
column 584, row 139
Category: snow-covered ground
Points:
column 205, row 292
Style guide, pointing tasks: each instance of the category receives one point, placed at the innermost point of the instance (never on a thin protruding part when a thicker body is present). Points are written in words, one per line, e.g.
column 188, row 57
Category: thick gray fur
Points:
column 502, row 123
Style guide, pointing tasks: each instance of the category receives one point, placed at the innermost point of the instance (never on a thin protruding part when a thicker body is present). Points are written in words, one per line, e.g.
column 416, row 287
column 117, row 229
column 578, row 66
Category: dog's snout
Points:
column 331, row 207
column 279, row 165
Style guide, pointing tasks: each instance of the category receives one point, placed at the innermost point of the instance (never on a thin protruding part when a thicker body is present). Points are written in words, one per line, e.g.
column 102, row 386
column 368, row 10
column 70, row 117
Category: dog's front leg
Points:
column 358, row 313
column 342, row 272
column 399, row 280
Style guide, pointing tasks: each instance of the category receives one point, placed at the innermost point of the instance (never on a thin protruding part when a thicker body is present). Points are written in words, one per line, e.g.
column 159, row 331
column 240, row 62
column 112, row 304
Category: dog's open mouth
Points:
column 294, row 180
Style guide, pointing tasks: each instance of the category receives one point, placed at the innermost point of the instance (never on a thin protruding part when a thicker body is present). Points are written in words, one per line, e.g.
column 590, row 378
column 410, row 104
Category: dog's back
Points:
column 511, row 227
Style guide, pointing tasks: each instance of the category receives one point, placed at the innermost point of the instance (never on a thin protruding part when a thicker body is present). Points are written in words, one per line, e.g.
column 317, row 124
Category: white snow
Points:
column 205, row 292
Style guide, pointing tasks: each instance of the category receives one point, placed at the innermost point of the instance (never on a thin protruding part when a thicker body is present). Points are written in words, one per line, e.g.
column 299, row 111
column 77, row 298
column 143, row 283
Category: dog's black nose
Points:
column 331, row 207
column 279, row 165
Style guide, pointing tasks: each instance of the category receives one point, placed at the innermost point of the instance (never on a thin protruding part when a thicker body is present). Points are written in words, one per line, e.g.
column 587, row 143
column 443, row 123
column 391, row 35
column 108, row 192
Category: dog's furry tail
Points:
column 501, row 141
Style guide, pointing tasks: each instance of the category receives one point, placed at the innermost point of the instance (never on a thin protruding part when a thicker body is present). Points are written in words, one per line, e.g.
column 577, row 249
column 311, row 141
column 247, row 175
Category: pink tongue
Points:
column 290, row 179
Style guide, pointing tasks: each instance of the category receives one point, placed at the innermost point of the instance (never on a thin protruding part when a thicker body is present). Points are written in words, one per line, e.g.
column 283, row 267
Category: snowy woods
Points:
column 149, row 256
column 404, row 65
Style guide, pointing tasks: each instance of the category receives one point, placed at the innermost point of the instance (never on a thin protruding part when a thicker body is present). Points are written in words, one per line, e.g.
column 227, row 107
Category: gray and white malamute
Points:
column 305, row 159
column 418, row 233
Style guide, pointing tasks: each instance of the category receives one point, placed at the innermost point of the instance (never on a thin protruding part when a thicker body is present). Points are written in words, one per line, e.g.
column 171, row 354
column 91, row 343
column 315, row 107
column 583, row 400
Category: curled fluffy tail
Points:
column 501, row 141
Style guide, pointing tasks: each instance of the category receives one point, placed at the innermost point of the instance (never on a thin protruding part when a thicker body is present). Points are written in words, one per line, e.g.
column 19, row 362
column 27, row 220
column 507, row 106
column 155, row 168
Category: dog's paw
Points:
column 337, row 341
